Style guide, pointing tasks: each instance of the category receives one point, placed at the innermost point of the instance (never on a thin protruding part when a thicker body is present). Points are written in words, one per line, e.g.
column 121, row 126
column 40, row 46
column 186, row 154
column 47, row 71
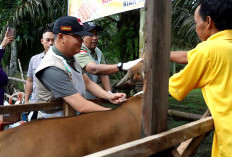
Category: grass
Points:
column 193, row 103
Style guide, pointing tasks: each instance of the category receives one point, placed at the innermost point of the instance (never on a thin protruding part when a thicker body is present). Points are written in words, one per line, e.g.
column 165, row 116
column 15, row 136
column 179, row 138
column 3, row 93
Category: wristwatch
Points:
column 119, row 66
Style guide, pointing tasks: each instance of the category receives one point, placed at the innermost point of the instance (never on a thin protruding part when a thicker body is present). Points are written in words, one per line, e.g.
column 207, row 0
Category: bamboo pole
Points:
column 16, row 79
column 21, row 72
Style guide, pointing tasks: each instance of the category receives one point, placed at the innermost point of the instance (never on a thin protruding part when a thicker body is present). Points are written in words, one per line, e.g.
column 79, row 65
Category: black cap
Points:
column 69, row 24
column 88, row 26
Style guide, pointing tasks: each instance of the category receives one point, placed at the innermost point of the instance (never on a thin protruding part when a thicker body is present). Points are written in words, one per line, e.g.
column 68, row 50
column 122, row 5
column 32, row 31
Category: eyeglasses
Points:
column 76, row 36
column 95, row 34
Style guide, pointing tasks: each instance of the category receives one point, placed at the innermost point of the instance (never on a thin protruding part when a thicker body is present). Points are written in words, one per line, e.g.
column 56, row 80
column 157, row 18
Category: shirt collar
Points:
column 69, row 60
column 88, row 48
column 225, row 34
column 42, row 55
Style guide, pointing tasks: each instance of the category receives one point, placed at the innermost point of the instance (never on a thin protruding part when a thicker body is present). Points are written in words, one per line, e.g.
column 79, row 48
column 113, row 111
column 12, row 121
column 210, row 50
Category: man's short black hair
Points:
column 219, row 10
column 47, row 30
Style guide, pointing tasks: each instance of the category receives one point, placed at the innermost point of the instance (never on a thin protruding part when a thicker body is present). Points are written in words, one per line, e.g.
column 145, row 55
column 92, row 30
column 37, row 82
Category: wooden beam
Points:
column 184, row 115
column 188, row 148
column 158, row 41
column 68, row 110
column 57, row 104
column 156, row 143
column 31, row 107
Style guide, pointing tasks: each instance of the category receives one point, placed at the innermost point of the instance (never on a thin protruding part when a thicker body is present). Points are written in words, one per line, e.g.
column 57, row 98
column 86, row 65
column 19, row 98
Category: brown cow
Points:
column 133, row 78
column 75, row 136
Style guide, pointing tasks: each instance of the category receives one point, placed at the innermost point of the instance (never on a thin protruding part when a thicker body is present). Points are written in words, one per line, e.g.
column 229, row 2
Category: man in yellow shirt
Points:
column 210, row 68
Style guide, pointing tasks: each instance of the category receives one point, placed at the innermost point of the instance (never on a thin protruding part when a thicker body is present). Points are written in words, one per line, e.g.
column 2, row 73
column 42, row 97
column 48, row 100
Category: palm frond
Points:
column 32, row 8
column 183, row 23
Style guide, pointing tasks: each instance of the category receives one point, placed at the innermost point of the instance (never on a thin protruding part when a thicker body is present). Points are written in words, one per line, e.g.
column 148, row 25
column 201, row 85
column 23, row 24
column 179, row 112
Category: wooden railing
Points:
column 156, row 143
column 143, row 147
column 58, row 104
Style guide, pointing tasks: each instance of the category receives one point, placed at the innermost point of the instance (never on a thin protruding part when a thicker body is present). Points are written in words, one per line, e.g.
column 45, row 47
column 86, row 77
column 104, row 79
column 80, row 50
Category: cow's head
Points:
column 133, row 78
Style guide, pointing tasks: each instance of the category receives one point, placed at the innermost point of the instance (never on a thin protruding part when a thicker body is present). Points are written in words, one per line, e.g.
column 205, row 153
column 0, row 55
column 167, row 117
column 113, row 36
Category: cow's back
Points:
column 74, row 136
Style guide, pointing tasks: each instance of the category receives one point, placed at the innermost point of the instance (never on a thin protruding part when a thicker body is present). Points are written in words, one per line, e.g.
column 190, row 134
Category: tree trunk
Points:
column 141, row 32
column 13, row 59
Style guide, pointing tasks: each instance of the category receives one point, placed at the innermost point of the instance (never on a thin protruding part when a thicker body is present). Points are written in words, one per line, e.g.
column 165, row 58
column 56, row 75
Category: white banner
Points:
column 88, row 10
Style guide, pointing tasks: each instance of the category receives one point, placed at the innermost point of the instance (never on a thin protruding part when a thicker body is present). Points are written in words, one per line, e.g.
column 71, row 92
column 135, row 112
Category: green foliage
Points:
column 193, row 103
column 119, row 39
column 183, row 26
column 29, row 18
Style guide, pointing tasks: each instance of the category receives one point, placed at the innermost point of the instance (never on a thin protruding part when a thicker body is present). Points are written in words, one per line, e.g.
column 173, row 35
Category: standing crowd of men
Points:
column 61, row 71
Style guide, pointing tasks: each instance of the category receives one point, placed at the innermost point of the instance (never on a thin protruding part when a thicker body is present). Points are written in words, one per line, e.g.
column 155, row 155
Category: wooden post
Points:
column 158, row 40
column 68, row 110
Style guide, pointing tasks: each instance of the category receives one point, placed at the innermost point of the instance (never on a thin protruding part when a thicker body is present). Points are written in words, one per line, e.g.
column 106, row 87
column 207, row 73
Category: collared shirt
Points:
column 56, row 79
column 34, row 63
column 69, row 60
column 86, row 55
column 210, row 68
column 63, row 87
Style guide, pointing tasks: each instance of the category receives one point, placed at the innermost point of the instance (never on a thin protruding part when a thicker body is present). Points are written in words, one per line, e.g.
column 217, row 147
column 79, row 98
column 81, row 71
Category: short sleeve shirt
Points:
column 84, row 58
column 210, row 68
column 33, row 64
column 61, row 87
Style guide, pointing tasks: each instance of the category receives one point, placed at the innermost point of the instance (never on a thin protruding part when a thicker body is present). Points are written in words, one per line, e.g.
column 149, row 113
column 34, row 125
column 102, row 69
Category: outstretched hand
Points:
column 128, row 65
column 117, row 98
column 7, row 40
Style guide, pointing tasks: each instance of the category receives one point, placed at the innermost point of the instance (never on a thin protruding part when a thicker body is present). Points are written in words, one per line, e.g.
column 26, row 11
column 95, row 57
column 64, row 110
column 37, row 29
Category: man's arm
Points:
column 179, row 57
column 99, row 69
column 105, row 80
column 106, row 69
column 28, row 89
column 58, row 82
column 82, row 105
column 90, row 66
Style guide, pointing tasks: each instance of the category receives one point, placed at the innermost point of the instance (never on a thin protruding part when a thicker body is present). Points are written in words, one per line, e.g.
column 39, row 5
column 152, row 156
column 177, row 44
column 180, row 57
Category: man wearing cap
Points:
column 92, row 60
column 60, row 76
